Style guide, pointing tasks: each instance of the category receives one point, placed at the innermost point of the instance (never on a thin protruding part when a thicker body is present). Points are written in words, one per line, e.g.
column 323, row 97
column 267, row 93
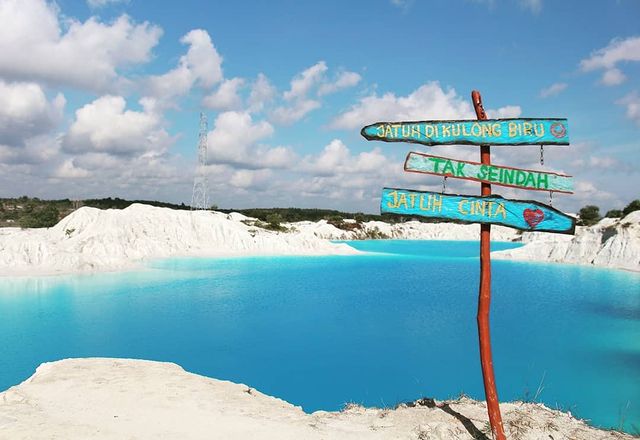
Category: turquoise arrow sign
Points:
column 523, row 131
column 519, row 214
column 488, row 173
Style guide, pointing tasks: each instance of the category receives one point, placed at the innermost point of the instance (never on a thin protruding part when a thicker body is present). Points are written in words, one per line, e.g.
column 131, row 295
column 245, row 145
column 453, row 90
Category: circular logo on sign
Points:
column 558, row 129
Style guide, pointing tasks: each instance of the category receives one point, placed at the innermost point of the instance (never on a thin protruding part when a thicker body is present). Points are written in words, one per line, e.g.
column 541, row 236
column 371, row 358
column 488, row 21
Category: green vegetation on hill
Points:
column 32, row 212
column 290, row 215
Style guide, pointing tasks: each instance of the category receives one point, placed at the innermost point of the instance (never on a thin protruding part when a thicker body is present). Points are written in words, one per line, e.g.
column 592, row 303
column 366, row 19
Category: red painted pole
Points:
column 484, row 297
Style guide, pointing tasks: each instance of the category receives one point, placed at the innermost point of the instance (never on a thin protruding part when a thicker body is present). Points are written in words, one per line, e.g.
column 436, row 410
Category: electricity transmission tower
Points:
column 199, row 197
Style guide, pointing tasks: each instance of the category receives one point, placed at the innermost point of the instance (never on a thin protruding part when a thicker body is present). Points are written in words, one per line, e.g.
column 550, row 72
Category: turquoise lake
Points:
column 376, row 329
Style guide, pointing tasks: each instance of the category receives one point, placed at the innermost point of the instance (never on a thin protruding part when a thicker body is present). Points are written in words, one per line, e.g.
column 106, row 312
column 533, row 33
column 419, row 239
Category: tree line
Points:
column 590, row 214
column 32, row 212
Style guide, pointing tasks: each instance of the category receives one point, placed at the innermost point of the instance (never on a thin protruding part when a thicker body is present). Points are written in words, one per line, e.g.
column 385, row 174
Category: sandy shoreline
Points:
column 112, row 399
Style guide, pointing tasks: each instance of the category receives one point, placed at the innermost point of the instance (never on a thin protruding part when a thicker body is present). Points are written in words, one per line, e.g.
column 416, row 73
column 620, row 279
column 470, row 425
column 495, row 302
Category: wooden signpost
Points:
column 518, row 214
column 482, row 132
column 499, row 175
column 485, row 209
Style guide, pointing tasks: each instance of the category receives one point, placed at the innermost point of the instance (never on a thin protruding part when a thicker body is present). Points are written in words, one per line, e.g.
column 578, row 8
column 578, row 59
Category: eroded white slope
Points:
column 94, row 239
column 611, row 243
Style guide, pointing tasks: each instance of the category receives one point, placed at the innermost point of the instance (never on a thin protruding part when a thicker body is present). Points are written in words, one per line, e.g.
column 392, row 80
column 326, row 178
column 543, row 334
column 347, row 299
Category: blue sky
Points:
column 101, row 98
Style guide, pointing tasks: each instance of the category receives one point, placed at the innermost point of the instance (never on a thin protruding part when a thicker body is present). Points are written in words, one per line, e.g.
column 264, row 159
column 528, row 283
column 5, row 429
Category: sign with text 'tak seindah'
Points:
column 488, row 173
column 520, row 214
column 544, row 131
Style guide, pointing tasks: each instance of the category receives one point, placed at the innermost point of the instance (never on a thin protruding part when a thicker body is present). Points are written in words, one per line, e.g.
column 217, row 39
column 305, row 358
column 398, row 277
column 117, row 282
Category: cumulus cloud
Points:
column 608, row 58
column 613, row 77
column 247, row 179
column 201, row 65
column 336, row 158
column 338, row 173
column 429, row 101
column 86, row 54
column 102, row 3
column 632, row 104
column 235, row 140
column 105, row 125
column 344, row 80
column 553, row 90
column 289, row 114
column 226, row 97
column 69, row 170
column 262, row 92
column 312, row 80
column 299, row 105
column 26, row 112
column 302, row 83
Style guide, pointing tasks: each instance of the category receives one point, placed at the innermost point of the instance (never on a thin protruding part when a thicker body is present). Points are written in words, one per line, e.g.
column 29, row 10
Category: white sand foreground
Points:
column 100, row 398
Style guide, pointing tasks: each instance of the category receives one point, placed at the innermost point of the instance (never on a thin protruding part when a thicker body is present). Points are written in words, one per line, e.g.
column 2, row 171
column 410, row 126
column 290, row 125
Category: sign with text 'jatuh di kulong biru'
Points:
column 488, row 173
column 545, row 131
column 520, row 214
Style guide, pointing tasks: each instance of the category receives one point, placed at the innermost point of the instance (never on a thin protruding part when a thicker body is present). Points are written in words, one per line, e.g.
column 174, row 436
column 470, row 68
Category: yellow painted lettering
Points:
column 461, row 209
column 394, row 203
column 424, row 207
column 437, row 203
column 402, row 200
column 513, row 127
column 476, row 130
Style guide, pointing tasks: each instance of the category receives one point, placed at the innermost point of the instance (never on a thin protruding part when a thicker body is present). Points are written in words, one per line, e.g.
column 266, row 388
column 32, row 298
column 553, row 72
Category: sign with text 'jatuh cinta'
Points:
column 520, row 214
column 544, row 131
column 499, row 175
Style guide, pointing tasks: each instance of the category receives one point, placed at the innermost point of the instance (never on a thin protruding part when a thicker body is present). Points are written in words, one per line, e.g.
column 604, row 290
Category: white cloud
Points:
column 226, row 97
column 201, row 65
column 427, row 102
column 302, row 83
column 262, row 92
column 25, row 112
column 632, row 104
column 87, row 54
column 336, row 159
column 102, row 3
column 613, row 77
column 246, row 179
column 69, row 170
column 235, row 138
column 553, row 90
column 337, row 173
column 508, row 111
column 344, row 80
column 36, row 150
column 289, row 114
column 534, row 6
column 105, row 125
column 608, row 58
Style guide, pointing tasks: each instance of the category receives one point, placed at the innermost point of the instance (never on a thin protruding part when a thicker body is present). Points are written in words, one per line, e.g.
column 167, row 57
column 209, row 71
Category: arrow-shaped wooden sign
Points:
column 520, row 214
column 496, row 174
column 545, row 131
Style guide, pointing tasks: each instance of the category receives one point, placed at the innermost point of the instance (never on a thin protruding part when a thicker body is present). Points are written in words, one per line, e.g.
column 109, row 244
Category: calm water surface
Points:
column 376, row 329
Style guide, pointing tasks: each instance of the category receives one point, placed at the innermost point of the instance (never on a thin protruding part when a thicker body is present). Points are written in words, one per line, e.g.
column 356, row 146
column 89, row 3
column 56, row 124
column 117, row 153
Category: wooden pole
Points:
column 484, row 297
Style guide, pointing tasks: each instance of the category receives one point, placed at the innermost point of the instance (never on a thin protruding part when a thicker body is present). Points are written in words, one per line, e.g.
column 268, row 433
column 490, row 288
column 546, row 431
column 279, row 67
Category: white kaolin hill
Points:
column 113, row 399
column 611, row 243
column 94, row 239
